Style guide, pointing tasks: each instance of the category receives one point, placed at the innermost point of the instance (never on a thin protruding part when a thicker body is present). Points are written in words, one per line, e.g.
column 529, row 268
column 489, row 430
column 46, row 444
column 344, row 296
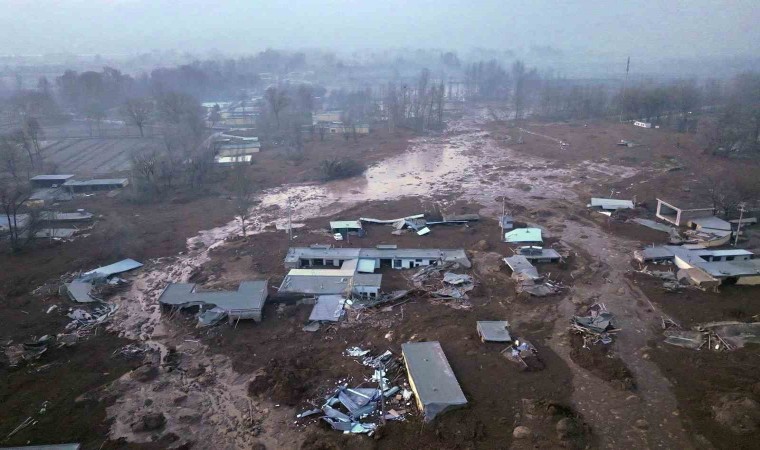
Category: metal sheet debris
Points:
column 494, row 331
column 328, row 308
column 101, row 273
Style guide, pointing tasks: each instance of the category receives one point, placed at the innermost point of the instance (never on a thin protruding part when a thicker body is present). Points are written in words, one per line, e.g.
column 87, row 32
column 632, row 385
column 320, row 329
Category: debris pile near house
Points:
column 597, row 326
column 716, row 336
column 524, row 354
column 84, row 322
column 527, row 278
column 450, row 286
column 360, row 409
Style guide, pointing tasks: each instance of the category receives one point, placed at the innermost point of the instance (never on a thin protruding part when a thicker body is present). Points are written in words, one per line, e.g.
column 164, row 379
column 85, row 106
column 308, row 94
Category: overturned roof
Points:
column 79, row 291
column 524, row 235
column 711, row 223
column 433, row 381
column 611, row 203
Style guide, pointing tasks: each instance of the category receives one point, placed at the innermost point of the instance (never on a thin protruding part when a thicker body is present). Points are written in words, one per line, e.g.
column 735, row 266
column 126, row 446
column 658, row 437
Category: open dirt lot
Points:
column 241, row 386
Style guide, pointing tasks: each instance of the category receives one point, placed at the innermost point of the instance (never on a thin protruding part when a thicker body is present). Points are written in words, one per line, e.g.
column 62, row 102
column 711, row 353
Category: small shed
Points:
column 610, row 204
column 346, row 226
column 435, row 386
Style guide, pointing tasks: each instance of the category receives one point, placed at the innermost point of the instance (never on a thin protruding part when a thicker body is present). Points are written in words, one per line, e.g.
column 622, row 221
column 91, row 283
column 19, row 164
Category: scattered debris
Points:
column 717, row 336
column 359, row 409
column 597, row 326
column 524, row 354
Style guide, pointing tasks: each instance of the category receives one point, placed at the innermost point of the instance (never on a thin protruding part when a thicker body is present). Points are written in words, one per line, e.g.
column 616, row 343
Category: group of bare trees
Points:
column 419, row 107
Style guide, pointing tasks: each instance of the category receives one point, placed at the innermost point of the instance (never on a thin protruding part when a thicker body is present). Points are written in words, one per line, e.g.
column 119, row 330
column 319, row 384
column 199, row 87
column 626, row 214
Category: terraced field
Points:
column 92, row 156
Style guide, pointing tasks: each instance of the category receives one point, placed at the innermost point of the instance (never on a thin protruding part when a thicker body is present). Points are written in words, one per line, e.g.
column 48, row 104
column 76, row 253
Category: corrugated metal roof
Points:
column 98, row 182
column 51, row 177
column 366, row 266
column 494, row 330
column 124, row 265
column 713, row 223
column 250, row 296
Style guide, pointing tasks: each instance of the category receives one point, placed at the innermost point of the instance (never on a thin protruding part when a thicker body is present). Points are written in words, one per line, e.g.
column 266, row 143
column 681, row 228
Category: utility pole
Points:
column 625, row 83
column 739, row 226
column 290, row 222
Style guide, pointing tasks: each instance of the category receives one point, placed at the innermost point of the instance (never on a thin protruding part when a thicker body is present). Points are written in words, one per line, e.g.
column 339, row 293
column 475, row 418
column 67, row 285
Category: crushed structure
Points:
column 680, row 216
column 536, row 254
column 245, row 303
column 702, row 266
column 432, row 380
column 101, row 274
column 328, row 308
column 716, row 336
column 527, row 277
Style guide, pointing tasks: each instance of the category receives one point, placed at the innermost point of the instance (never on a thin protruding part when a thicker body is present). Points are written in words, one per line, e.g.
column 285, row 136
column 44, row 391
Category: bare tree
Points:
column 33, row 132
column 277, row 100
column 243, row 192
column 14, row 193
column 12, row 161
column 215, row 115
column 518, row 91
column 138, row 111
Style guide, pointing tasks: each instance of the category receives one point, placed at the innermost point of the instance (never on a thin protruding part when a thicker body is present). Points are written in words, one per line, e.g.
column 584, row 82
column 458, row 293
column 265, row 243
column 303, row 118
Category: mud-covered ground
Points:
column 240, row 387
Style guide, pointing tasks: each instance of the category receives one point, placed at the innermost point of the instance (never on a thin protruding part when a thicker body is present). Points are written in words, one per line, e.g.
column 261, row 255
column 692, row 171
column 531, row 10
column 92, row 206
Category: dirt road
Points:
column 465, row 163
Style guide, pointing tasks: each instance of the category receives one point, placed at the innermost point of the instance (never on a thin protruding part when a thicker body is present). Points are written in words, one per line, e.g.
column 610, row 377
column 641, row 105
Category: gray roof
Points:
column 328, row 308
column 532, row 253
column 53, row 177
column 520, row 265
column 79, row 291
column 713, row 223
column 494, row 330
column 124, row 265
column 78, row 216
column 98, row 182
column 317, row 284
column 699, row 258
column 432, row 379
column 455, row 255
column 250, row 296
column 46, row 447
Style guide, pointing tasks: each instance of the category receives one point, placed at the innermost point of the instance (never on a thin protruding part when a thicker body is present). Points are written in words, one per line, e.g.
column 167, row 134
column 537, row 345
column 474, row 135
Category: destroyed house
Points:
column 48, row 181
column 680, row 215
column 307, row 282
column 398, row 258
column 729, row 266
column 245, row 303
column 539, row 254
column 435, row 386
column 104, row 184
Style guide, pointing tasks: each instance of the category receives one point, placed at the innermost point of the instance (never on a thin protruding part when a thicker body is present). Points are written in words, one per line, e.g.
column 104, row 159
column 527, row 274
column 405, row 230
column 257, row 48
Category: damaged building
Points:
column 375, row 258
column 704, row 267
column 245, row 303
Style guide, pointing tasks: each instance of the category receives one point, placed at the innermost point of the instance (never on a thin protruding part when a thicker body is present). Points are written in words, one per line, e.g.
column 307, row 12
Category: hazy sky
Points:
column 640, row 28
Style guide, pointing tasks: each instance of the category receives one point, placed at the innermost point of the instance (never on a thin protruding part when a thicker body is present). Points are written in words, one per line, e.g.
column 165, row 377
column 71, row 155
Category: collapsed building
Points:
column 245, row 303
column 704, row 267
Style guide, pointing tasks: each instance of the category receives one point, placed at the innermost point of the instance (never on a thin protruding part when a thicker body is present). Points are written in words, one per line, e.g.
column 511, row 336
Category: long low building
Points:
column 245, row 303
column 102, row 184
column 431, row 378
column 381, row 256
column 729, row 266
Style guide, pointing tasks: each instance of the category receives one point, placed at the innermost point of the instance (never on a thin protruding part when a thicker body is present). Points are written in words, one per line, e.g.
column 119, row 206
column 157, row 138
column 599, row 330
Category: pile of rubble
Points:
column 595, row 327
column 360, row 409
column 716, row 336
column 448, row 286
